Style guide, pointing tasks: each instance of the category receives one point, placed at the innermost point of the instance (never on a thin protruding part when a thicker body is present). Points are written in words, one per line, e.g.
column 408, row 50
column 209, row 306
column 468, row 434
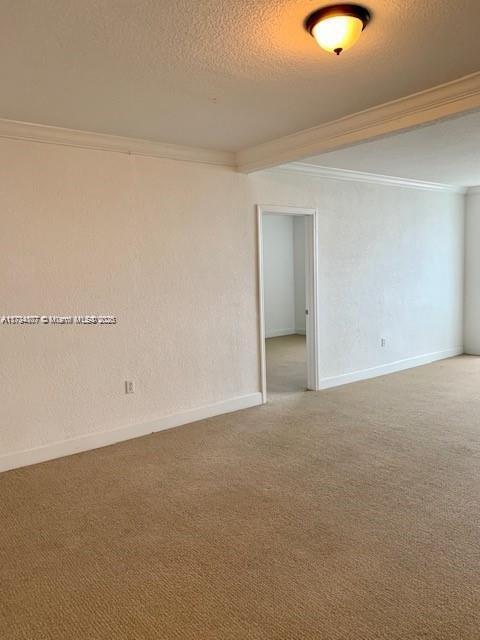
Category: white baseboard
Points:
column 300, row 332
column 391, row 367
column 105, row 438
column 280, row 333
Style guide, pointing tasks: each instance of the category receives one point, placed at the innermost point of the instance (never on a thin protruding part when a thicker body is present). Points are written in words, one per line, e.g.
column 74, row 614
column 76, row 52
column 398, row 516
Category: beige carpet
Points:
column 347, row 514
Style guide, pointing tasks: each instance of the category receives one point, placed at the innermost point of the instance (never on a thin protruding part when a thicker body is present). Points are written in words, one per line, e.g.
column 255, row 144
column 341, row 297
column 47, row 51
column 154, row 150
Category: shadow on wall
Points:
column 284, row 274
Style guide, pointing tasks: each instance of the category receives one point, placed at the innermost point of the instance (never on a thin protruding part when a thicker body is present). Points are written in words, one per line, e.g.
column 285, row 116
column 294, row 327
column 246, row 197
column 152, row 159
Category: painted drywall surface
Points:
column 170, row 249
column 299, row 272
column 284, row 274
column 472, row 274
column 278, row 275
column 390, row 266
column 167, row 247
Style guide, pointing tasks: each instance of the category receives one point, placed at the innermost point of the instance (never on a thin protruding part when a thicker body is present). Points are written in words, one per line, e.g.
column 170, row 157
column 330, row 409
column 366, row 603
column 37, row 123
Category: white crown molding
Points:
column 473, row 190
column 331, row 173
column 422, row 108
column 88, row 140
column 437, row 103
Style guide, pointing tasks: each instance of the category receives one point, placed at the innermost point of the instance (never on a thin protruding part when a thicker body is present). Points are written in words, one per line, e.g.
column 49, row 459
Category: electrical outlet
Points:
column 129, row 386
column 383, row 342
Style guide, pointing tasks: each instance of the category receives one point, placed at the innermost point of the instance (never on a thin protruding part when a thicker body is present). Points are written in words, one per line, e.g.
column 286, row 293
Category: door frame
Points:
column 311, row 290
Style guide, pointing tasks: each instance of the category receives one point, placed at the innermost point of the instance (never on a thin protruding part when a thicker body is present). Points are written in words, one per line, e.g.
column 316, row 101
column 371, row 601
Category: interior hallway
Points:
column 343, row 515
column 286, row 364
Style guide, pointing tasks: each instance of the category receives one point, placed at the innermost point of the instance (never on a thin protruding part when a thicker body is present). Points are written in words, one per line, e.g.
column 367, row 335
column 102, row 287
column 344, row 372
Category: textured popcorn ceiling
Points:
column 223, row 74
column 446, row 152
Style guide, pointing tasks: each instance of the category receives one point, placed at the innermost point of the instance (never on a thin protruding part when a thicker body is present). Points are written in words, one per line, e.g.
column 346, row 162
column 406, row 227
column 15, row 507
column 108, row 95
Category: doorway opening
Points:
column 287, row 269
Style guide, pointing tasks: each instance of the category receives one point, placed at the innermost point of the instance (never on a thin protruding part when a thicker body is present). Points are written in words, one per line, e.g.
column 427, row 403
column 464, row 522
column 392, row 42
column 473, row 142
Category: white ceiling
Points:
column 447, row 152
column 221, row 74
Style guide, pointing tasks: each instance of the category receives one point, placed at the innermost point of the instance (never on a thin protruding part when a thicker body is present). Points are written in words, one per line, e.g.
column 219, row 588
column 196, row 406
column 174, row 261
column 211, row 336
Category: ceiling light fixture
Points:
column 337, row 27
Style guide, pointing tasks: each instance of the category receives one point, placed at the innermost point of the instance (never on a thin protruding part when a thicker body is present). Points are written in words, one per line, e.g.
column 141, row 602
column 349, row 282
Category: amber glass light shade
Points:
column 337, row 28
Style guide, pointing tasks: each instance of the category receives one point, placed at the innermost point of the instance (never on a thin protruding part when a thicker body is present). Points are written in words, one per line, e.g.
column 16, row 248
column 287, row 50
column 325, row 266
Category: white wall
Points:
column 278, row 275
column 170, row 248
column 390, row 265
column 284, row 274
column 299, row 273
column 472, row 273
